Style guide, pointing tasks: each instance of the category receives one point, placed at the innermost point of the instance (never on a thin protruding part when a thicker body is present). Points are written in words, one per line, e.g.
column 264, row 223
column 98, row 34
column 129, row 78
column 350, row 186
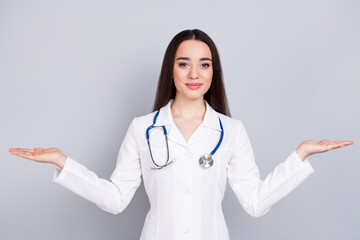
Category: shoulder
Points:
column 234, row 130
column 230, row 123
column 143, row 121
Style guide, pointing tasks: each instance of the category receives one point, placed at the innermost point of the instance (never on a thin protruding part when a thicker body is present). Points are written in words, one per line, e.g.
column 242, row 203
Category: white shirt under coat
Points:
column 185, row 199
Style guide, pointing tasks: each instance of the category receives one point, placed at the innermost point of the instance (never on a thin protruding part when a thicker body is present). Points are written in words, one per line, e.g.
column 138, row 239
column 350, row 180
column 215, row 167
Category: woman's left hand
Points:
column 310, row 147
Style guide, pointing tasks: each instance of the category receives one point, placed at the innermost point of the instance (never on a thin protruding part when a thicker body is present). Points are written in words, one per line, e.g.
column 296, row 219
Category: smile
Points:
column 193, row 86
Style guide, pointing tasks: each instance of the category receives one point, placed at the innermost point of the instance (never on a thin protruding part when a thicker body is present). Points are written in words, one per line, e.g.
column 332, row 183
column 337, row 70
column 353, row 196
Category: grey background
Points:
column 74, row 73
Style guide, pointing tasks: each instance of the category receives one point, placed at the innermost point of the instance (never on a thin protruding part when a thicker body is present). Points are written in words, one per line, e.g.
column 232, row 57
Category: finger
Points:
column 14, row 149
column 339, row 143
column 345, row 142
column 21, row 150
column 330, row 146
column 17, row 151
column 31, row 156
column 28, row 150
column 24, row 150
column 23, row 155
column 324, row 141
column 334, row 145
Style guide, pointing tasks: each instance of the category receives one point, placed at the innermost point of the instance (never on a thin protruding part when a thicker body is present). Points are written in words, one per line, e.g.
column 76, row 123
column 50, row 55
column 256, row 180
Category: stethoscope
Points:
column 205, row 160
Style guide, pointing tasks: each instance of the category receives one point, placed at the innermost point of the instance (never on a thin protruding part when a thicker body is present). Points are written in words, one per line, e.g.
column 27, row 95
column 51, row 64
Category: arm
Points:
column 110, row 195
column 255, row 195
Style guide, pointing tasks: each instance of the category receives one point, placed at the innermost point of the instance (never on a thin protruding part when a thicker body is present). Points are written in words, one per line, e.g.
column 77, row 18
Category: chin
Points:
column 195, row 98
column 192, row 96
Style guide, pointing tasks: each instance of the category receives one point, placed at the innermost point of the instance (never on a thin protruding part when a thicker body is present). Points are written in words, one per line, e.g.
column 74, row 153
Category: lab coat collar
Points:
column 211, row 119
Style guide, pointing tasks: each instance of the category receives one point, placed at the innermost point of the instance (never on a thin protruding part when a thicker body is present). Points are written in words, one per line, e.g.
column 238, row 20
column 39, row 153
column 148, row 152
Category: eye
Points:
column 183, row 64
column 205, row 65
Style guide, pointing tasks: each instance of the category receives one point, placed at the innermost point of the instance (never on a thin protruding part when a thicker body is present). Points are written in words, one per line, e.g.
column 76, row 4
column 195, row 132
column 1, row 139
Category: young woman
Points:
column 185, row 151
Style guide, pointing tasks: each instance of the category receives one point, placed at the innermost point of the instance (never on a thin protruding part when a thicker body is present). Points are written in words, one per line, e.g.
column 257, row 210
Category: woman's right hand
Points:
column 49, row 155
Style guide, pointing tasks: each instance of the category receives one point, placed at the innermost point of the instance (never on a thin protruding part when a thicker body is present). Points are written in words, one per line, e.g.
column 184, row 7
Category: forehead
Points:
column 193, row 49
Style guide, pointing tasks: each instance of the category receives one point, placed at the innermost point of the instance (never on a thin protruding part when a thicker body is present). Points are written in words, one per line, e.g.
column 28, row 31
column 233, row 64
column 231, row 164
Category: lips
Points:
column 193, row 86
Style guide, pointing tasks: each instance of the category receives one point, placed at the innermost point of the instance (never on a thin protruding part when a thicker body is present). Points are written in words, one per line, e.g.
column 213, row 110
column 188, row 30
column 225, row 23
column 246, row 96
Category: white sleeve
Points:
column 110, row 195
column 257, row 196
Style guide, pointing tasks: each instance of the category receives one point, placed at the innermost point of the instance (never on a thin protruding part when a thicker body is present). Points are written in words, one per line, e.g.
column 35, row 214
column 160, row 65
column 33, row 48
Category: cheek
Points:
column 178, row 74
column 177, row 81
column 211, row 76
column 208, row 76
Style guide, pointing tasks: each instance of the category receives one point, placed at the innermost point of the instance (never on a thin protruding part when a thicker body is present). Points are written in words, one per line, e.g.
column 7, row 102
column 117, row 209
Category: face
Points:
column 193, row 69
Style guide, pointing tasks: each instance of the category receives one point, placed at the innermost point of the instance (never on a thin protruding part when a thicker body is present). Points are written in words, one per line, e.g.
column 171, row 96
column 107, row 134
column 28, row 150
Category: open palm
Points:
column 310, row 147
column 49, row 155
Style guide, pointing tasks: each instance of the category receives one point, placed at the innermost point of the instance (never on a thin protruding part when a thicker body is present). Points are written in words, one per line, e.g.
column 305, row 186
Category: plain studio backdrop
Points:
column 73, row 74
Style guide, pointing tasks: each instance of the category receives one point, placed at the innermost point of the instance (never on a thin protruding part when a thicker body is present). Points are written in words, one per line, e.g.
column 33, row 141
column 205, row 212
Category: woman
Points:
column 185, row 172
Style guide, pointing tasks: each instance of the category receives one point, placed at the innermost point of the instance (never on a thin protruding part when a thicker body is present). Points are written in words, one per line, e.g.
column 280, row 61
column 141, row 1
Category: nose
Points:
column 193, row 73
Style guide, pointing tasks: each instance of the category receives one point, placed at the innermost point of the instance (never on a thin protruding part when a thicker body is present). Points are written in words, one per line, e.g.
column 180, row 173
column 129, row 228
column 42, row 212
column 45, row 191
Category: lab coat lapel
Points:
column 211, row 121
column 165, row 119
column 176, row 136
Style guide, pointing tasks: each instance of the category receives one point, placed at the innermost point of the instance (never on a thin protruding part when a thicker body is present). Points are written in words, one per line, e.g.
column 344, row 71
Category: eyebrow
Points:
column 186, row 58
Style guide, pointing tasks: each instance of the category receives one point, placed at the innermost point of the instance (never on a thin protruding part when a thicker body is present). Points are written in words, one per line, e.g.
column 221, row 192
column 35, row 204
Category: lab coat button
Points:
column 187, row 231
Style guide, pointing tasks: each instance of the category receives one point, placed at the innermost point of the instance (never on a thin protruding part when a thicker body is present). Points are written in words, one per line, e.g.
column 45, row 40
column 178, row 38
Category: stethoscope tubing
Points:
column 167, row 145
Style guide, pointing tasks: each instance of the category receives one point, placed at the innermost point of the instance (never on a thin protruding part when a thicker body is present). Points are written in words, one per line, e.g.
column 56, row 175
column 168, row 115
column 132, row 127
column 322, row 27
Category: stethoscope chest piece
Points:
column 206, row 161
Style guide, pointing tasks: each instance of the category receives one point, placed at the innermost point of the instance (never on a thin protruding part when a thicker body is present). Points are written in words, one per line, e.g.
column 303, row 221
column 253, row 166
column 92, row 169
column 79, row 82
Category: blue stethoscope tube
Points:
column 205, row 161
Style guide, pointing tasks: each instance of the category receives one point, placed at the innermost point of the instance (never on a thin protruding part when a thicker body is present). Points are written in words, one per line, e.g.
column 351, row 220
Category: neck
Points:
column 188, row 108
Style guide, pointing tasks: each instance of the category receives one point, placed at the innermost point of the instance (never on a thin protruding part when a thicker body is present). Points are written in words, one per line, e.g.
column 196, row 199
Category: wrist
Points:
column 301, row 154
column 61, row 162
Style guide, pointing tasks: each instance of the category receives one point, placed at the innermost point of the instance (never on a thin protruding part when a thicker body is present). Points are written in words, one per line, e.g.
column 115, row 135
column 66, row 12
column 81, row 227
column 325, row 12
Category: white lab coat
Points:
column 185, row 198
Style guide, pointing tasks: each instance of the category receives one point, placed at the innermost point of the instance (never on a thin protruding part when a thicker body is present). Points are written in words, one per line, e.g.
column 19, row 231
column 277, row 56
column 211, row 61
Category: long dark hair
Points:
column 166, row 90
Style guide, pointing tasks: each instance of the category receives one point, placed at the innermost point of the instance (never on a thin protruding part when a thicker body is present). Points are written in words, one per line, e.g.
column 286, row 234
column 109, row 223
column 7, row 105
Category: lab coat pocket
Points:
column 157, row 179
